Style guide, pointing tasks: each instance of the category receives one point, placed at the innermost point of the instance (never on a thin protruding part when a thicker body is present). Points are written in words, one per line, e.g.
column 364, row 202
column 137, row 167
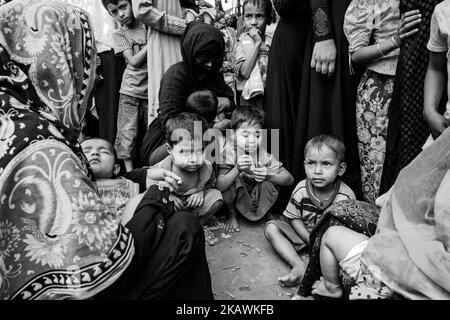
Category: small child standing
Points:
column 197, row 192
column 130, row 41
column 252, row 52
column 248, row 174
column 324, row 164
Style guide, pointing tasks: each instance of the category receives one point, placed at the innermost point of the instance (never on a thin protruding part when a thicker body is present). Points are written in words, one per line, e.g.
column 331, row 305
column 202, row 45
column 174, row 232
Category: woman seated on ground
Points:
column 203, row 50
column 408, row 255
column 61, row 241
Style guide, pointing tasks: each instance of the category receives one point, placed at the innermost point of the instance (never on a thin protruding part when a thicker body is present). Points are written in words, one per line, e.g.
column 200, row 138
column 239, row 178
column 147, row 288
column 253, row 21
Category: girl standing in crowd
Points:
column 309, row 88
column 380, row 21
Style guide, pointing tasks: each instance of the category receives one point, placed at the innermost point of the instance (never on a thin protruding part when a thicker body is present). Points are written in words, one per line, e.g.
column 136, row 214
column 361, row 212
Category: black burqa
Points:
column 200, row 42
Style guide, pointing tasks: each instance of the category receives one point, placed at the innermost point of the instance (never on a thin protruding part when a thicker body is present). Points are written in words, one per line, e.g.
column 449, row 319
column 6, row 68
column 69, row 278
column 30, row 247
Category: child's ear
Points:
column 116, row 169
column 342, row 168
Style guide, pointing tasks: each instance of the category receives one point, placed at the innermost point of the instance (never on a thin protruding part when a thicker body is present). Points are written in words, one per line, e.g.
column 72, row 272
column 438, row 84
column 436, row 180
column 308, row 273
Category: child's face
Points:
column 187, row 156
column 100, row 157
column 255, row 17
column 322, row 166
column 249, row 137
column 122, row 12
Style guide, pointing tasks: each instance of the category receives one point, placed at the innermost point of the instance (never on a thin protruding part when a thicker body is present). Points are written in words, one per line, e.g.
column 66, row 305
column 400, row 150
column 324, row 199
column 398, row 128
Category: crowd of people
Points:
column 132, row 130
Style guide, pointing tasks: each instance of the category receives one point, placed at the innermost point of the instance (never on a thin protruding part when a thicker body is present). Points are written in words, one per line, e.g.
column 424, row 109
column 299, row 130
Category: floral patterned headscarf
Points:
column 58, row 240
column 47, row 57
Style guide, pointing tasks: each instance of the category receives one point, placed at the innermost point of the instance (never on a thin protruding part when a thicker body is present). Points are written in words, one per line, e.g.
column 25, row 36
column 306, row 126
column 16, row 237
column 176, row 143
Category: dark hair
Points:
column 336, row 145
column 260, row 3
column 185, row 122
column 203, row 103
column 111, row 147
column 247, row 113
column 114, row 2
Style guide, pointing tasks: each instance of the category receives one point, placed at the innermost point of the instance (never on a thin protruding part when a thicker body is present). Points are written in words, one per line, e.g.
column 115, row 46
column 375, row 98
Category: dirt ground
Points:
column 245, row 267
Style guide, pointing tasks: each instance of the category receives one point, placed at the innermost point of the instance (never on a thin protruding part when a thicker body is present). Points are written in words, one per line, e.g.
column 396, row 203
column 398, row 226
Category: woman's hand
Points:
column 324, row 57
column 223, row 104
column 408, row 23
column 436, row 122
column 164, row 178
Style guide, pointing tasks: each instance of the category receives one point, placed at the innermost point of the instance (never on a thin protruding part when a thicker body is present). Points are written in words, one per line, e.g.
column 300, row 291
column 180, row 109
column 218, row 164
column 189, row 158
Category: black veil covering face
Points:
column 203, row 44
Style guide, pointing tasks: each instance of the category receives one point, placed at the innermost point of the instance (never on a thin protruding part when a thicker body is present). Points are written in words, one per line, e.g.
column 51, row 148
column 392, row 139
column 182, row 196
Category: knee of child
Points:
column 270, row 230
column 331, row 234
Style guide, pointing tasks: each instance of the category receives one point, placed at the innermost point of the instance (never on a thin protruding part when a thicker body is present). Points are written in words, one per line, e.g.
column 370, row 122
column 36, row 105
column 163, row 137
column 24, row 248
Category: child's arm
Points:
column 435, row 81
column 136, row 60
column 226, row 178
column 300, row 229
column 282, row 177
column 408, row 27
column 249, row 64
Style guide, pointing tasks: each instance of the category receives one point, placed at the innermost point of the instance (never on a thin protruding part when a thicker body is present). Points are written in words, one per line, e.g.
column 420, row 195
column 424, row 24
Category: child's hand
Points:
column 195, row 200
column 166, row 178
column 408, row 23
column 177, row 202
column 261, row 174
column 244, row 162
column 255, row 34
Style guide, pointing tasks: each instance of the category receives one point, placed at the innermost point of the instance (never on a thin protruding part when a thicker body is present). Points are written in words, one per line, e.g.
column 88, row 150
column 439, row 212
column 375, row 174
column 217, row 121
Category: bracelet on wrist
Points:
column 380, row 51
column 395, row 42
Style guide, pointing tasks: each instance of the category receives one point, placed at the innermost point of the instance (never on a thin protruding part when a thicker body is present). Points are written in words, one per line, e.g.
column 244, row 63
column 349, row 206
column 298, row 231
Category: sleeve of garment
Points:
column 240, row 54
column 294, row 207
column 120, row 42
column 173, row 94
column 321, row 19
column 145, row 12
column 138, row 176
column 437, row 41
column 358, row 24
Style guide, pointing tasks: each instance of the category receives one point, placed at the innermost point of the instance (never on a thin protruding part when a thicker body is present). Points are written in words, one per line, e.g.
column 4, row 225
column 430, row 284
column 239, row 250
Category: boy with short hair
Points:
column 197, row 192
column 131, row 42
column 324, row 165
column 248, row 174
column 252, row 52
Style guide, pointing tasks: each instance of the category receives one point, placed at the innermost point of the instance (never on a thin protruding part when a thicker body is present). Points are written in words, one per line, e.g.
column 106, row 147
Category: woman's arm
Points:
column 136, row 60
column 435, row 81
column 408, row 27
column 145, row 12
column 324, row 53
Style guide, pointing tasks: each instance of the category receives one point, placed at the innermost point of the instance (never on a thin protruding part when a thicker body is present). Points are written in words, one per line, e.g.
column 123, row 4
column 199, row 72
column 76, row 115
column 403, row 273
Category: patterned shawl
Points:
column 57, row 239
column 410, row 252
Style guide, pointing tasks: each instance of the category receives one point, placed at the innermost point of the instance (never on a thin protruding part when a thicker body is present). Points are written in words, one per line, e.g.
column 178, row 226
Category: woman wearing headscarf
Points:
column 57, row 239
column 202, row 49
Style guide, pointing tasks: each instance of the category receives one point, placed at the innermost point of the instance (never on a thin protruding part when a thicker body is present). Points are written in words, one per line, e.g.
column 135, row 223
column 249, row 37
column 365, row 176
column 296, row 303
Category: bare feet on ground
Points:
column 210, row 237
column 327, row 289
column 231, row 225
column 293, row 278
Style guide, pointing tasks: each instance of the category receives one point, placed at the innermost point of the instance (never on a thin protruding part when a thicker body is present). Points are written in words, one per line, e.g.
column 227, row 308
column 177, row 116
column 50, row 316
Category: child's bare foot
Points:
column 232, row 225
column 327, row 289
column 210, row 237
column 293, row 278
column 214, row 224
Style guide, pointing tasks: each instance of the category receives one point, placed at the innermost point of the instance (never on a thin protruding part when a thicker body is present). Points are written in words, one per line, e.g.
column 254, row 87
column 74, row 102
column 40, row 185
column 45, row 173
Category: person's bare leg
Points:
column 231, row 224
column 336, row 244
column 286, row 251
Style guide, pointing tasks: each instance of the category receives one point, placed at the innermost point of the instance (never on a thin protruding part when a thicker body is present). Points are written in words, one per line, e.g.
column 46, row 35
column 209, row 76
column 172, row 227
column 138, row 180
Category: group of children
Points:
column 246, row 178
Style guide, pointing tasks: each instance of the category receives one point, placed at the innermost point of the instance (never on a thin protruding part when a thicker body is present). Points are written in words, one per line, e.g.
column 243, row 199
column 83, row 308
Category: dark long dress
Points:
column 407, row 130
column 301, row 102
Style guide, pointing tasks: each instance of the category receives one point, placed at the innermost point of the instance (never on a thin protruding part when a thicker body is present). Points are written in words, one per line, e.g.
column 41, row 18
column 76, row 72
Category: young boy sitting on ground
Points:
column 120, row 194
column 186, row 160
column 324, row 164
column 248, row 174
